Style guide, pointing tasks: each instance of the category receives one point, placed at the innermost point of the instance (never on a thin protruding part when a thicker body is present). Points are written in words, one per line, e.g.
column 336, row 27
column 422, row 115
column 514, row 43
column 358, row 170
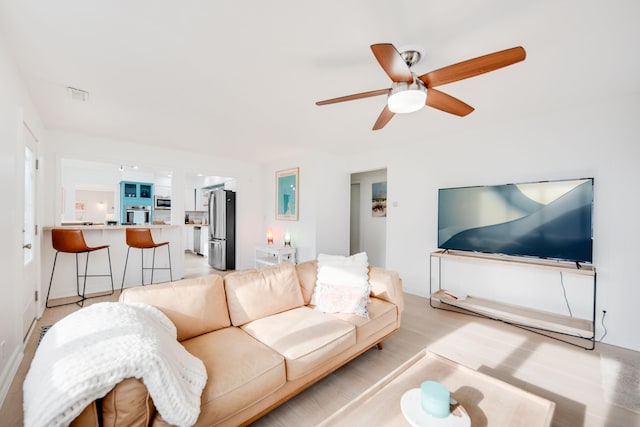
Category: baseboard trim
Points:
column 9, row 373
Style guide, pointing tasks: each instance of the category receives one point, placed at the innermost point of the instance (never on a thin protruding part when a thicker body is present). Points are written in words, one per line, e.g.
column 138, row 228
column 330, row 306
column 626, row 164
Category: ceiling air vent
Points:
column 78, row 94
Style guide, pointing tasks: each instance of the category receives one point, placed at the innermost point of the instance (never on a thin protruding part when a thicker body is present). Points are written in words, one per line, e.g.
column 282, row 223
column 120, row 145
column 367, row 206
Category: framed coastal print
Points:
column 287, row 194
column 379, row 199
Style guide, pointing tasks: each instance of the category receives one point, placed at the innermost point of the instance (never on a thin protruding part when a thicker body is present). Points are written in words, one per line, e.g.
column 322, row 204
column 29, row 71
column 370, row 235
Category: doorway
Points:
column 368, row 217
column 29, row 242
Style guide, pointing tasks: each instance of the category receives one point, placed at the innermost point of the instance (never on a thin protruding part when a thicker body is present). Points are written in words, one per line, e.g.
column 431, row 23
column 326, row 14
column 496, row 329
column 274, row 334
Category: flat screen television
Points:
column 548, row 219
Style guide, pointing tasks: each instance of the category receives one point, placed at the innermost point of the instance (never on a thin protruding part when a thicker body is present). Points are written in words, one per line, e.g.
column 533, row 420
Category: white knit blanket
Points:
column 83, row 356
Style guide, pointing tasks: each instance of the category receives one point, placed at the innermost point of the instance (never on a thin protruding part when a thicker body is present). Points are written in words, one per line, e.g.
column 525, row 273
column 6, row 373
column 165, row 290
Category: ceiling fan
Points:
column 409, row 92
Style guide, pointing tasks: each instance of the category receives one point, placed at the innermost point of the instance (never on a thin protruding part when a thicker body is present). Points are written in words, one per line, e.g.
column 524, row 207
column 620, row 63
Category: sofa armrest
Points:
column 128, row 404
column 386, row 285
column 307, row 275
column 88, row 417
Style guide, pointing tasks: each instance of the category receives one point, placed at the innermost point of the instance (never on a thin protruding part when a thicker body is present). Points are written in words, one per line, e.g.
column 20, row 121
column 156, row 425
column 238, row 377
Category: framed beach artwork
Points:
column 287, row 194
column 379, row 199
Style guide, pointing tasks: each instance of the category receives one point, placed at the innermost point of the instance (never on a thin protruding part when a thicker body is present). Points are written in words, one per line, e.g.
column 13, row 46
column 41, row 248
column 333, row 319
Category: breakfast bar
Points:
column 64, row 281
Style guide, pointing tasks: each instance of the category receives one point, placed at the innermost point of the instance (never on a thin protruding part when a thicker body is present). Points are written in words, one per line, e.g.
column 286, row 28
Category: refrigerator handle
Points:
column 210, row 214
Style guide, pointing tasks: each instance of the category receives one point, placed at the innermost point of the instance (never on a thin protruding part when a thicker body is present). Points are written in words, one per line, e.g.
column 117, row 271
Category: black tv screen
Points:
column 549, row 219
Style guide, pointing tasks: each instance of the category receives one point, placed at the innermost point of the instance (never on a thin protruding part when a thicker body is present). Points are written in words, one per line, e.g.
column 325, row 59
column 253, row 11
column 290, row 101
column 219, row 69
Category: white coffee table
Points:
column 487, row 400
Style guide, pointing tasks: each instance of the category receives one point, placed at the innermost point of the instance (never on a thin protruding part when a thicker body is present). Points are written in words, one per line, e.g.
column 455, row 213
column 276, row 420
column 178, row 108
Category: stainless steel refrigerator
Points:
column 222, row 229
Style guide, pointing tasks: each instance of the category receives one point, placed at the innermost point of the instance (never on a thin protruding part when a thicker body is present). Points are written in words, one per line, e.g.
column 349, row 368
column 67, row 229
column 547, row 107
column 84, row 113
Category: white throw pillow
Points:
column 342, row 285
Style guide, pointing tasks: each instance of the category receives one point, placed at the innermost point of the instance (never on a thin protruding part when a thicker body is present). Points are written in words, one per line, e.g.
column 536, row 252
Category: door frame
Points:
column 29, row 140
column 372, row 234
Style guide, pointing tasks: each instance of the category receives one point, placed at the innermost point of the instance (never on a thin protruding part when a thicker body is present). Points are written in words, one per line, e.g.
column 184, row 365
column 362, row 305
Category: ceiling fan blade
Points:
column 473, row 67
column 392, row 63
column 354, row 96
column 447, row 103
column 383, row 118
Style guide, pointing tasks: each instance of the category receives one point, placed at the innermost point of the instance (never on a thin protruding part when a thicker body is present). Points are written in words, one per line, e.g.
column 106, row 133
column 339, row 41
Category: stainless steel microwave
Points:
column 162, row 202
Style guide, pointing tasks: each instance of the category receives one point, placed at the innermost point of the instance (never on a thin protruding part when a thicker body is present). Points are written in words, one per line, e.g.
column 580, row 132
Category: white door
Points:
column 28, row 233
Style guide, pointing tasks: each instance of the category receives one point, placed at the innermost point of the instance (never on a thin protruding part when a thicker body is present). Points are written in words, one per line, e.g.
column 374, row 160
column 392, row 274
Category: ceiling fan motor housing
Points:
column 407, row 97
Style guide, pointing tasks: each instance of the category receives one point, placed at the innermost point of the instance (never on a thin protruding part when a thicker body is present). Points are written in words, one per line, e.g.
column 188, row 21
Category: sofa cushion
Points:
column 241, row 371
column 342, row 285
column 381, row 315
column 196, row 306
column 305, row 337
column 253, row 294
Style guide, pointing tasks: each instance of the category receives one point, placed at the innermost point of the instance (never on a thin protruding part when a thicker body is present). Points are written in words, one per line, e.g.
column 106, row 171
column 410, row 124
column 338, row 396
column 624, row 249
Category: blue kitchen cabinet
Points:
column 136, row 196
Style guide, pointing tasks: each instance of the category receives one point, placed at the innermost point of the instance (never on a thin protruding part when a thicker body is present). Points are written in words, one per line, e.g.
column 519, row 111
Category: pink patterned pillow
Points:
column 342, row 285
column 343, row 299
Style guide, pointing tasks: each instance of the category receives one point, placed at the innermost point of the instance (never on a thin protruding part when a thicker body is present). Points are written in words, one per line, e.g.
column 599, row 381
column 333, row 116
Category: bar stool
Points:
column 72, row 241
column 141, row 238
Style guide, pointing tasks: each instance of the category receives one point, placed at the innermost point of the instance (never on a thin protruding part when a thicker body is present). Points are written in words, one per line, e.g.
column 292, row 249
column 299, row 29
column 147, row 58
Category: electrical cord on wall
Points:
column 564, row 292
column 566, row 300
column 604, row 313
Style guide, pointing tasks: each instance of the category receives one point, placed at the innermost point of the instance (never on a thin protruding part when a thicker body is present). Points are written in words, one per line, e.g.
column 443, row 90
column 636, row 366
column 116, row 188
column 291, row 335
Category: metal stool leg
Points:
column 169, row 252
column 80, row 302
column 77, row 276
column 124, row 274
column 84, row 284
column 55, row 259
column 86, row 274
column 153, row 264
column 110, row 271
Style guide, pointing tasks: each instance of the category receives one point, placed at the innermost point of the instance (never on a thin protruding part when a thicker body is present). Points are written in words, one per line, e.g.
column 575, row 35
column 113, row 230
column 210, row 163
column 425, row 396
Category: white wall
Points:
column 599, row 140
column 15, row 107
column 323, row 223
column 373, row 230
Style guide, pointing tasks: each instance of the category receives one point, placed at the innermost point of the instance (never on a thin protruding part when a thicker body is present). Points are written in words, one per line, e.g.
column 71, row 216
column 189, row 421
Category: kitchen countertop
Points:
column 108, row 227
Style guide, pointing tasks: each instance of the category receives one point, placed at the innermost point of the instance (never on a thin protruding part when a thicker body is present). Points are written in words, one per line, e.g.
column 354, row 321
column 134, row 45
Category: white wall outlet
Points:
column 2, row 349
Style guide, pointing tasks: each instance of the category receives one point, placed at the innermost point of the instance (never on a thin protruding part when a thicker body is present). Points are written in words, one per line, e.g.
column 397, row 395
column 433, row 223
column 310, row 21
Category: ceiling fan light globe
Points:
column 406, row 98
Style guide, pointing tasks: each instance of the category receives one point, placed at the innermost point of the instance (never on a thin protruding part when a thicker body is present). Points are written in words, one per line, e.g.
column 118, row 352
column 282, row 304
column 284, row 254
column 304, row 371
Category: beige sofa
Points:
column 260, row 340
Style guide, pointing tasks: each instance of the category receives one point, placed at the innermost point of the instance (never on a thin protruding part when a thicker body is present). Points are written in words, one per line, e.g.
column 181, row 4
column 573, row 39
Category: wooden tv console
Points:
column 573, row 330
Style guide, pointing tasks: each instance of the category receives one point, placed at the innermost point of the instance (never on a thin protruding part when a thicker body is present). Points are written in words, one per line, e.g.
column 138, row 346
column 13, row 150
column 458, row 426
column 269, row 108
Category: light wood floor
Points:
column 567, row 375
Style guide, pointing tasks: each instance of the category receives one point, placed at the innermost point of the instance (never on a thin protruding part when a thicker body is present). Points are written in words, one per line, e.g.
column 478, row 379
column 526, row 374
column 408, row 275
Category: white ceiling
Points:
column 240, row 78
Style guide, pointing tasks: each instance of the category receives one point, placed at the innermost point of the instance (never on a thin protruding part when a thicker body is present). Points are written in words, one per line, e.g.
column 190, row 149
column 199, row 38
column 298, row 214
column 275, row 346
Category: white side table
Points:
column 272, row 255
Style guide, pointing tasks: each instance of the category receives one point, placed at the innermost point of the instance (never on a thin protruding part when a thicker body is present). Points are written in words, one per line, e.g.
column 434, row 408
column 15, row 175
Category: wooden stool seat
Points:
column 72, row 241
